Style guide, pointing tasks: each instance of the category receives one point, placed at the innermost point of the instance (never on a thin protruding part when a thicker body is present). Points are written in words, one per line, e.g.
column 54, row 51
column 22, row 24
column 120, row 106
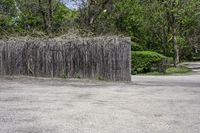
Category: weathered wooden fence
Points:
column 106, row 58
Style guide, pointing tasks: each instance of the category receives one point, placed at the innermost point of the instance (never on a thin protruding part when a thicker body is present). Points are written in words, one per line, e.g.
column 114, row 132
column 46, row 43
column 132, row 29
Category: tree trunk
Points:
column 176, row 49
column 174, row 37
column 50, row 17
column 164, row 42
column 43, row 15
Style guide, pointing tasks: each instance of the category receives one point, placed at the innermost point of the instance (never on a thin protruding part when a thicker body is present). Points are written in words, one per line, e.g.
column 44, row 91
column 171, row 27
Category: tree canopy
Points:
column 170, row 27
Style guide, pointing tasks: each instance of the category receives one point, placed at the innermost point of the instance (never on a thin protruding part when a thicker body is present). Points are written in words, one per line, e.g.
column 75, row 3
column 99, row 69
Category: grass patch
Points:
column 156, row 73
column 172, row 70
column 178, row 70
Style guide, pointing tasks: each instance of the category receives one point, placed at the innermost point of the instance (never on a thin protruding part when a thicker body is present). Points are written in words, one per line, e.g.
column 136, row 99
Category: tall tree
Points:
column 91, row 10
column 170, row 20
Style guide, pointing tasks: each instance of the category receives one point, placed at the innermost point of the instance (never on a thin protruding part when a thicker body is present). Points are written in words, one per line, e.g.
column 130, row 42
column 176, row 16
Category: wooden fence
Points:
column 106, row 58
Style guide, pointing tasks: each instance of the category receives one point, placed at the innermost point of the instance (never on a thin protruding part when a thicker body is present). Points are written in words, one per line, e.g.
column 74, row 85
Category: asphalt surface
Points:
column 148, row 104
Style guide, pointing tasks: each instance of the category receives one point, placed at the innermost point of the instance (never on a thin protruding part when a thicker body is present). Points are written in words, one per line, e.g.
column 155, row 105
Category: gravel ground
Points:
column 148, row 104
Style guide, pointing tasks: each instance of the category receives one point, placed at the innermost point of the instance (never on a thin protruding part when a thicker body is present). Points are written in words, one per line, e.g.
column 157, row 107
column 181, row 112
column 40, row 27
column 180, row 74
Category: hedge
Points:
column 146, row 61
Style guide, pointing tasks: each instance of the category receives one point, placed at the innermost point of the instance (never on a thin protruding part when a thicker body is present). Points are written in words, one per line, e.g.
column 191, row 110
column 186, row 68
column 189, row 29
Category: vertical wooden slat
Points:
column 107, row 58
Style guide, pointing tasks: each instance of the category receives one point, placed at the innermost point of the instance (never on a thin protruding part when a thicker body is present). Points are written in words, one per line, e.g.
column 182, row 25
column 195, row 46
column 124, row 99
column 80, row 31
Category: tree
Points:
column 8, row 13
column 27, row 16
column 94, row 13
column 179, row 13
column 170, row 21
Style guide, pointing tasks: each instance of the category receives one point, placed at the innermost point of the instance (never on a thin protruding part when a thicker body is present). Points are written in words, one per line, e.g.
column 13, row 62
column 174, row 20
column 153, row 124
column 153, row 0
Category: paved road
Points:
column 148, row 104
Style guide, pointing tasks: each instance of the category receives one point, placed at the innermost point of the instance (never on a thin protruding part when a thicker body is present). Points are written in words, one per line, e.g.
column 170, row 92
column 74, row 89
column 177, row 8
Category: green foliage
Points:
column 5, row 22
column 143, row 61
column 136, row 47
column 63, row 17
column 8, row 13
column 8, row 7
column 130, row 19
column 154, row 25
column 27, row 17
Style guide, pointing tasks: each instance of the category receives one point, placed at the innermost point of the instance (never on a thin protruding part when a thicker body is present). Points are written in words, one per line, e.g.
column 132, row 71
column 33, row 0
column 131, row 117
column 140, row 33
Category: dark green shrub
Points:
column 146, row 61
column 136, row 47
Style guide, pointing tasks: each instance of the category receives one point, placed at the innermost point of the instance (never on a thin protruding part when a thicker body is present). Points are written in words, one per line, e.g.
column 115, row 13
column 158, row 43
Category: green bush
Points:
column 146, row 61
column 136, row 47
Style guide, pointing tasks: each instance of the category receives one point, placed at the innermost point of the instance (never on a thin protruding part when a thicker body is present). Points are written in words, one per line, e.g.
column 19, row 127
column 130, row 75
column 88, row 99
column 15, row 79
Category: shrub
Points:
column 146, row 61
column 136, row 47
